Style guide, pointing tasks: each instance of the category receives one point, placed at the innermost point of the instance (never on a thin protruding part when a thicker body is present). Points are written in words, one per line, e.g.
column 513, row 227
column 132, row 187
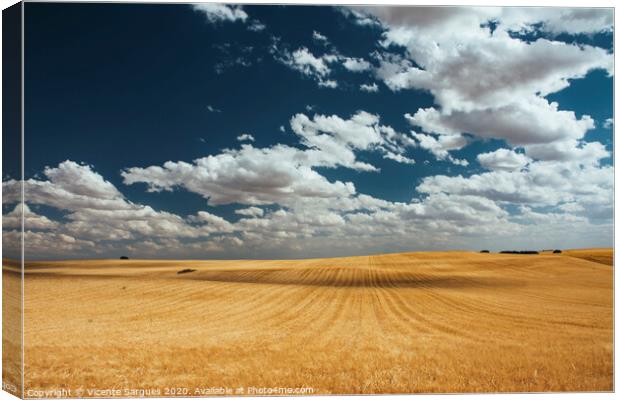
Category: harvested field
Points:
column 393, row 323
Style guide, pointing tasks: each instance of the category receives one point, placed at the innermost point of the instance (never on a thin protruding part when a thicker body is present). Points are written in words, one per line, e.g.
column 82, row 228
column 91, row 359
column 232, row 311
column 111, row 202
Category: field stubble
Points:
column 395, row 323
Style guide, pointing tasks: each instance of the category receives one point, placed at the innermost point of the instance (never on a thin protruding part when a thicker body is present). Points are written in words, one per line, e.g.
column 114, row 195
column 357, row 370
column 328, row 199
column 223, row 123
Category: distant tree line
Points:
column 522, row 251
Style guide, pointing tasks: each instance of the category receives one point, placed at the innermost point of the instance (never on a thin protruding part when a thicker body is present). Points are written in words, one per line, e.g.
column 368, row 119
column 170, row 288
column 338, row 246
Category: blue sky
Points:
column 222, row 131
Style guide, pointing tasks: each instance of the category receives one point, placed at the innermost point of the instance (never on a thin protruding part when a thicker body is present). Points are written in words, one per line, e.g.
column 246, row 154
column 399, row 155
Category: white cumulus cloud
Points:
column 246, row 137
column 215, row 12
column 503, row 159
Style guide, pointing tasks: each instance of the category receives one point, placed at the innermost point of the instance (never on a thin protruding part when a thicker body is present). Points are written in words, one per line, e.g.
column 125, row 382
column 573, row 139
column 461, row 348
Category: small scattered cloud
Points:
column 221, row 12
column 212, row 109
column 246, row 137
column 355, row 64
column 317, row 36
column 234, row 55
column 398, row 158
column 240, row 61
column 359, row 18
column 302, row 60
column 329, row 83
column 336, row 139
column 318, row 67
column 609, row 123
column 370, row 88
column 250, row 212
column 256, row 26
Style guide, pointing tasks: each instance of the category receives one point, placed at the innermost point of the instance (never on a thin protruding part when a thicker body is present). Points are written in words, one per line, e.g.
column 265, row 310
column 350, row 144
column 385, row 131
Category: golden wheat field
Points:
column 394, row 323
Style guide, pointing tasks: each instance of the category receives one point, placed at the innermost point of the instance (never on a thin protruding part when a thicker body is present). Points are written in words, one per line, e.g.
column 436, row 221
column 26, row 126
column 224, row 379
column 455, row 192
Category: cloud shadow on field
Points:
column 335, row 277
column 349, row 278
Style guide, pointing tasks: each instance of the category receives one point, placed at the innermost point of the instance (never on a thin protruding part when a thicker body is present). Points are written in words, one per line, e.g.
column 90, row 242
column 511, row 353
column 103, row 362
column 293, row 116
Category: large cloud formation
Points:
column 281, row 174
column 486, row 79
column 490, row 80
column 489, row 71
